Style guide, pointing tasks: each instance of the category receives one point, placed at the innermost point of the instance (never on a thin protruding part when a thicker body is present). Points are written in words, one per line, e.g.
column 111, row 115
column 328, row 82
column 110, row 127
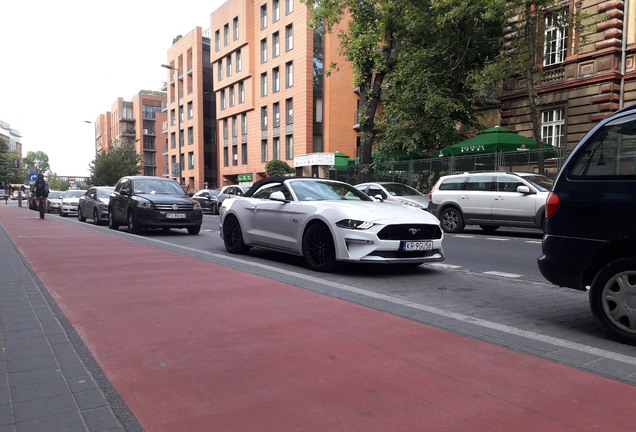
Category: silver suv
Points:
column 490, row 200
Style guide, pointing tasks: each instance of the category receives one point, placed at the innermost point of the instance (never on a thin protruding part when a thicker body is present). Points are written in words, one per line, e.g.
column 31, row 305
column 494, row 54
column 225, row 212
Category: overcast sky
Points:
column 64, row 62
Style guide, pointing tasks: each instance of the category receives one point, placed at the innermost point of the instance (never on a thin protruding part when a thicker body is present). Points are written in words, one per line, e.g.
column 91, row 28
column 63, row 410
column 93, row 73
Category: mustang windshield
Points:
column 318, row 190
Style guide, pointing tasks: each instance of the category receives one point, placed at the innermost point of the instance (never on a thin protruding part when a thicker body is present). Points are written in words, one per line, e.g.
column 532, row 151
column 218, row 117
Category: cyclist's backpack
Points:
column 41, row 188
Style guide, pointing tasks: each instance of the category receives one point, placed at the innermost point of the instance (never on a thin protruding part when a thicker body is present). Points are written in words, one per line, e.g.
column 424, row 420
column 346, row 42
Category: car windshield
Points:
column 160, row 187
column 319, row 190
column 75, row 193
column 399, row 189
column 542, row 183
column 56, row 195
column 104, row 192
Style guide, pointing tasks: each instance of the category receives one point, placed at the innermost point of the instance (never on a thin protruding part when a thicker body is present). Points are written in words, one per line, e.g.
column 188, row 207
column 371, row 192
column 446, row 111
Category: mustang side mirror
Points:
column 278, row 196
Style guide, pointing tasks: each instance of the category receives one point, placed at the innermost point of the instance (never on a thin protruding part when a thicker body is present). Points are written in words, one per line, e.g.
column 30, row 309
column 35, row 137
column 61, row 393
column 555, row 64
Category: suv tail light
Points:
column 551, row 204
column 430, row 194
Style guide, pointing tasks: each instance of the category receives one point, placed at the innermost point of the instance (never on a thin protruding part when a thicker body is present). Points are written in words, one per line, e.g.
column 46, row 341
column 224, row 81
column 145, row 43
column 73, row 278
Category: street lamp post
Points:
column 178, row 174
column 94, row 144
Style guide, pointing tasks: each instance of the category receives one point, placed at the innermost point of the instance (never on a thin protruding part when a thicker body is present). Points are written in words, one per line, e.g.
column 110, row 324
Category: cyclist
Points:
column 41, row 193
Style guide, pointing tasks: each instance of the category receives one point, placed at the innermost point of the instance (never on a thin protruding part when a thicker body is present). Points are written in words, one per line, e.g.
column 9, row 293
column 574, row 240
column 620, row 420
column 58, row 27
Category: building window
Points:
column 190, row 160
column 173, row 140
column 318, row 108
column 241, row 92
column 275, row 45
column 263, row 84
column 276, row 112
column 190, row 135
column 289, row 74
column 276, row 149
column 289, row 111
column 275, row 10
column 173, row 118
column 289, row 147
column 263, row 50
column 225, row 129
column 232, row 101
column 190, row 111
column 289, row 6
column 244, row 153
column 217, row 40
column 226, row 156
column 239, row 61
column 219, row 70
column 553, row 126
column 263, row 150
column 555, row 38
column 289, row 37
column 228, row 66
column 275, row 80
column 264, row 118
column 243, row 124
column 235, row 28
column 181, row 113
column 263, row 16
column 222, row 96
column 226, row 34
column 234, row 127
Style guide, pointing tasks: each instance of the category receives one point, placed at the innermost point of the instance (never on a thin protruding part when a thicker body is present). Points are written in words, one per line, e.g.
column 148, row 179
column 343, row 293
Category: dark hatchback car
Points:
column 152, row 202
column 208, row 200
column 590, row 233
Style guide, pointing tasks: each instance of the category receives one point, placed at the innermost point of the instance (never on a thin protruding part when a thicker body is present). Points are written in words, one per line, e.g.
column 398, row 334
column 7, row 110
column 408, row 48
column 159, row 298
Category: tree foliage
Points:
column 108, row 167
column 278, row 167
column 10, row 171
column 37, row 161
column 411, row 62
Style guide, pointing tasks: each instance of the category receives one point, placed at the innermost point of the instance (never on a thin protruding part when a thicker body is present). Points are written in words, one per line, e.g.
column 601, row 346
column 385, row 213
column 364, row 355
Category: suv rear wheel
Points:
column 613, row 299
column 452, row 220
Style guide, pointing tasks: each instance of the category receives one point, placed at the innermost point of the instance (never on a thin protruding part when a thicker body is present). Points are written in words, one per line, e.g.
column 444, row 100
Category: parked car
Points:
column 490, row 200
column 70, row 200
column 231, row 191
column 94, row 204
column 54, row 201
column 208, row 200
column 152, row 202
column 590, row 235
column 328, row 222
column 395, row 192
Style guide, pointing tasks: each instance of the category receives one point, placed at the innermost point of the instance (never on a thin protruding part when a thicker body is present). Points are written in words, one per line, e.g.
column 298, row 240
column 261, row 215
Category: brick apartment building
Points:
column 138, row 123
column 272, row 99
column 583, row 80
column 11, row 137
column 191, row 124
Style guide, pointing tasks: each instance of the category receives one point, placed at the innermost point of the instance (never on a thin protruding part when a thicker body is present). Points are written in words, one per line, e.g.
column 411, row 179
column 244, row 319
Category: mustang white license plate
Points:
column 175, row 215
column 417, row 246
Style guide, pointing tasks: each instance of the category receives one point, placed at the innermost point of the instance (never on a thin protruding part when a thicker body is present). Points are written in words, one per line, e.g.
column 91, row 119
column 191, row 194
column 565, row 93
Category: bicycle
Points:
column 41, row 206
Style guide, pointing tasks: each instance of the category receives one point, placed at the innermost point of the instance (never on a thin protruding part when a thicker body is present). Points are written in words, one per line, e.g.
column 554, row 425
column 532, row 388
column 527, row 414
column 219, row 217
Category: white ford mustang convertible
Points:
column 328, row 222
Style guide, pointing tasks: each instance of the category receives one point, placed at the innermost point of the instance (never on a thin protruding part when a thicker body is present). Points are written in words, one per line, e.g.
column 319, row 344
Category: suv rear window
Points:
column 610, row 154
column 452, row 183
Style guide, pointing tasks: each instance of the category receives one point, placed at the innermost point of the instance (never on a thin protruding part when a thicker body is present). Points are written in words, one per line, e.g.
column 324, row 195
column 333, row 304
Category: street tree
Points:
column 410, row 60
column 10, row 171
column 111, row 165
column 278, row 167
column 38, row 161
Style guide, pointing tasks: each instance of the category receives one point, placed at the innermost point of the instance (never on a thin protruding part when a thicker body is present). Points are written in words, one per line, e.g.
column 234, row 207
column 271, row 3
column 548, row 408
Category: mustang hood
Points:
column 375, row 211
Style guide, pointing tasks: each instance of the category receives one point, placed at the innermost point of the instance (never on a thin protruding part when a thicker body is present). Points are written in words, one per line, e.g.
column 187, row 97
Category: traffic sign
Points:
column 33, row 176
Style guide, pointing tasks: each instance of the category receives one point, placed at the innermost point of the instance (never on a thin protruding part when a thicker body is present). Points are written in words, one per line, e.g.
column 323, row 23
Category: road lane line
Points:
column 425, row 308
column 503, row 274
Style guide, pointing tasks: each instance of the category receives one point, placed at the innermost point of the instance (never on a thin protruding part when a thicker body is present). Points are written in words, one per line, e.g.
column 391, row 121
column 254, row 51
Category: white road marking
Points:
column 445, row 266
column 425, row 308
column 502, row 274
column 497, row 238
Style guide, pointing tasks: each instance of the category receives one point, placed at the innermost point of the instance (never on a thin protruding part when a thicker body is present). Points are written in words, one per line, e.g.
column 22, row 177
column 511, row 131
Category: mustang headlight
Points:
column 196, row 206
column 354, row 224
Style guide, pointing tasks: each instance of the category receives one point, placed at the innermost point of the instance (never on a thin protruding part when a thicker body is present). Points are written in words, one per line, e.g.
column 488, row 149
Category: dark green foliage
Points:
column 108, row 167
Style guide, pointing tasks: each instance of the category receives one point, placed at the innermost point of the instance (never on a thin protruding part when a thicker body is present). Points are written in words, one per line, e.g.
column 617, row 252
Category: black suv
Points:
column 152, row 202
column 590, row 231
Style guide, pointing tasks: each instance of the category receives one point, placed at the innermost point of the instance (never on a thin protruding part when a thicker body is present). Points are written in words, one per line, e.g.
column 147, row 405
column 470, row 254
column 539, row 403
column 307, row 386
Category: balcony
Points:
column 164, row 127
column 127, row 132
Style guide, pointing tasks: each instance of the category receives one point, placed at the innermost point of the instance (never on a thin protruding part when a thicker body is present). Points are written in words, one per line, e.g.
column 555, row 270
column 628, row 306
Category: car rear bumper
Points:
column 565, row 260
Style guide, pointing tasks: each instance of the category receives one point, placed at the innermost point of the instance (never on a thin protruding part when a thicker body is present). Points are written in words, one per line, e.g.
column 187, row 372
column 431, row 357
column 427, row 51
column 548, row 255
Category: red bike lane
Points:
column 192, row 345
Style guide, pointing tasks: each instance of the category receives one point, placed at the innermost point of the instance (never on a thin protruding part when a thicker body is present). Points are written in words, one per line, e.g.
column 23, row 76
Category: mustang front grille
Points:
column 410, row 232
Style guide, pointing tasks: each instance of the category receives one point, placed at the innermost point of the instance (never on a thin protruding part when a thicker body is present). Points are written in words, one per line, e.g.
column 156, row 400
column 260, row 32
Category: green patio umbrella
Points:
column 489, row 141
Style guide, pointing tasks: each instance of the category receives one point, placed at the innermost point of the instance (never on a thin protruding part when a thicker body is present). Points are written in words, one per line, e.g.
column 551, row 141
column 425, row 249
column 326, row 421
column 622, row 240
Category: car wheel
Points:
column 613, row 299
column 319, row 250
column 79, row 215
column 452, row 220
column 215, row 209
column 111, row 221
column 233, row 236
column 133, row 226
column 489, row 228
column 95, row 217
column 194, row 230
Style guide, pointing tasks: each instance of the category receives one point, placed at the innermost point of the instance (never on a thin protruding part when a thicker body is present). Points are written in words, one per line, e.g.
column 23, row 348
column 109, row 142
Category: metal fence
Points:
column 423, row 173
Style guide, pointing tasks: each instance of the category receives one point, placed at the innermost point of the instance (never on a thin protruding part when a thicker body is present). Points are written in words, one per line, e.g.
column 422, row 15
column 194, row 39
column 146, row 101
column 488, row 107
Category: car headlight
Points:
column 354, row 224
column 103, row 207
column 144, row 204
column 196, row 206
column 409, row 203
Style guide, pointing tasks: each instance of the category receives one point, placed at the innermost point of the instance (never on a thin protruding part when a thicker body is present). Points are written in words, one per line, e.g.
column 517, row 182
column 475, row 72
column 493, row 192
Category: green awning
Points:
column 491, row 140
